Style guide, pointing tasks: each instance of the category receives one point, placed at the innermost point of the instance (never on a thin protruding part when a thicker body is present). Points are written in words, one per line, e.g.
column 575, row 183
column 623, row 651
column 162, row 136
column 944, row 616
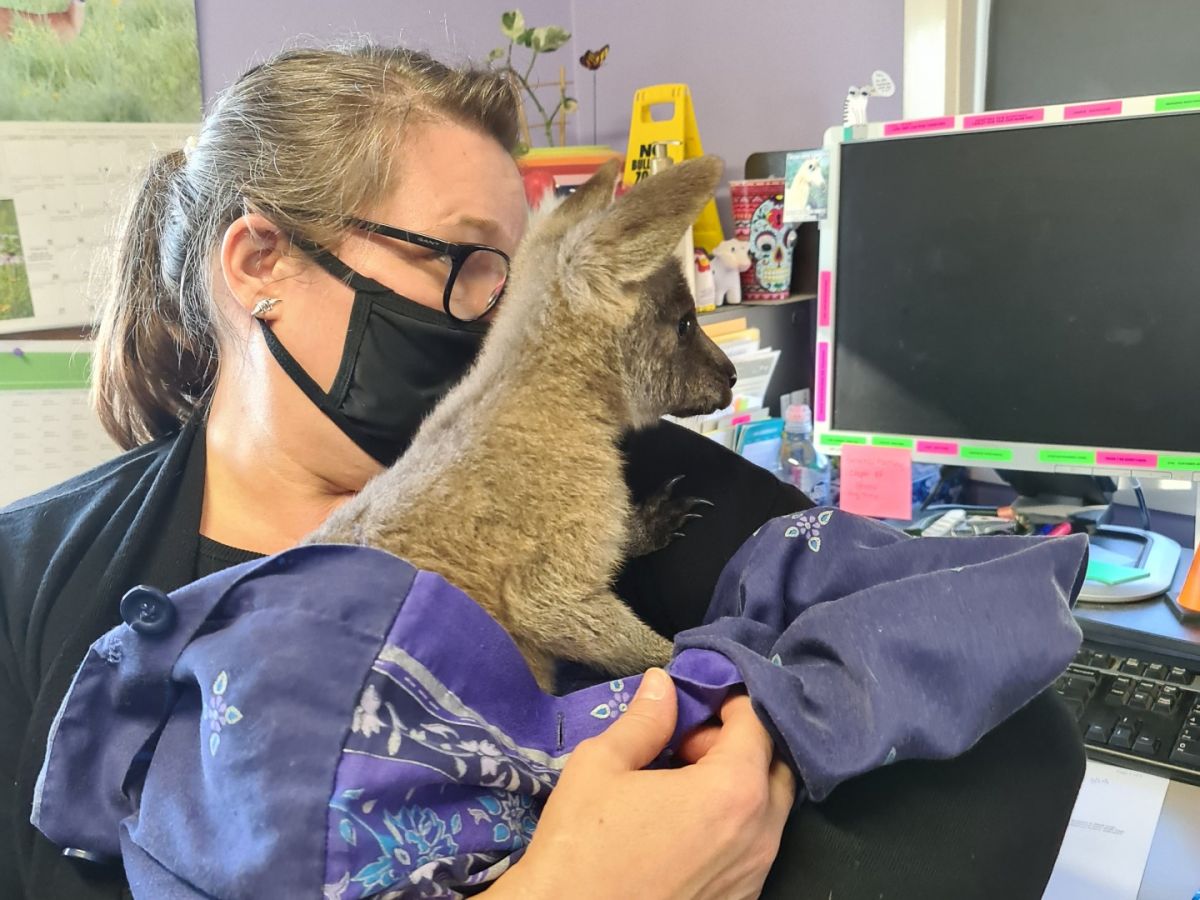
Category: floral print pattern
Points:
column 219, row 713
column 619, row 703
column 807, row 525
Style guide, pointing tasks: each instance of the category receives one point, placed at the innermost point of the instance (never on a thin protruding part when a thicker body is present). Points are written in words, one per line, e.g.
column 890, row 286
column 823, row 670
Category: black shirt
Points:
column 212, row 556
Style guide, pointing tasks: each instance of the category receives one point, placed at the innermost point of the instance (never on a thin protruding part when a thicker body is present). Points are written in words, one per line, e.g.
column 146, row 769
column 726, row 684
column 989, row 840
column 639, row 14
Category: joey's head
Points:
column 616, row 283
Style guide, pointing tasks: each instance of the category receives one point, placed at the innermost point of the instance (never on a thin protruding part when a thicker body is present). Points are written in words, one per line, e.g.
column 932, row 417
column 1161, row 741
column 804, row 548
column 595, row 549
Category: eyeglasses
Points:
column 477, row 275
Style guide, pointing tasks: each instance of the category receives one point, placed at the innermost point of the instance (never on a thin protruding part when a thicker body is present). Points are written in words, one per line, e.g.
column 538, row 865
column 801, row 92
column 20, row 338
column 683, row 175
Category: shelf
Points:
column 758, row 304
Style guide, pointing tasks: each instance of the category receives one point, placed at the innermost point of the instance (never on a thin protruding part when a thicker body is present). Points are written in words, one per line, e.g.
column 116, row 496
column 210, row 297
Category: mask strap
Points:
column 376, row 448
column 339, row 269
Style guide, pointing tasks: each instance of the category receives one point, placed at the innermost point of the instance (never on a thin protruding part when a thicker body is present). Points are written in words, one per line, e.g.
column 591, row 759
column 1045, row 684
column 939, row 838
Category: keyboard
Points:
column 1141, row 712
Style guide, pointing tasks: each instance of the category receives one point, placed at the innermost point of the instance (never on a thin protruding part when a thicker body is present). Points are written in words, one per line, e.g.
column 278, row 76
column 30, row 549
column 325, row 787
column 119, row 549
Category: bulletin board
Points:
column 90, row 94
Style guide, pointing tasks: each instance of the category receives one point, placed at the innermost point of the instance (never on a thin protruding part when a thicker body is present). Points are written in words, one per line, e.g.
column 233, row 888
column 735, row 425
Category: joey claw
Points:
column 662, row 518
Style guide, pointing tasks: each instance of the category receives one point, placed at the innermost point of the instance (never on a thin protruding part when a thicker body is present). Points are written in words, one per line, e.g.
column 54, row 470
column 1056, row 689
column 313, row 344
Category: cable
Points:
column 1142, row 508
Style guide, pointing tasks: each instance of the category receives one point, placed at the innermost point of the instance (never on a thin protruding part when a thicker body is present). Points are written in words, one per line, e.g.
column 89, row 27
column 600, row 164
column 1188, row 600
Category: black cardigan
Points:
column 68, row 554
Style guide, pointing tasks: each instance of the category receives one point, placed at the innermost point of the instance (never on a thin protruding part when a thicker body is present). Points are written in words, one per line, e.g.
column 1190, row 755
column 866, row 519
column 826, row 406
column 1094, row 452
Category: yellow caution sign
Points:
column 679, row 132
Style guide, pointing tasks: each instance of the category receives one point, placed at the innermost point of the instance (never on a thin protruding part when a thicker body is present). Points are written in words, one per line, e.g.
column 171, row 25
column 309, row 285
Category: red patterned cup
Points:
column 758, row 218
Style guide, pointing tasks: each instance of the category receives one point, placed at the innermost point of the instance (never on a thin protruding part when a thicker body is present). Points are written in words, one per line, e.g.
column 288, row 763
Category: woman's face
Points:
column 455, row 184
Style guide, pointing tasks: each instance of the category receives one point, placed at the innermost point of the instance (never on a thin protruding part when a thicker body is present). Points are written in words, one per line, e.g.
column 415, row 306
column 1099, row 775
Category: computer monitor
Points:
column 1016, row 289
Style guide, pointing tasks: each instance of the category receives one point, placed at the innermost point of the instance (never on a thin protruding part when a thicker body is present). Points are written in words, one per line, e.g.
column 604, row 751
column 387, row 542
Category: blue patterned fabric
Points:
column 332, row 720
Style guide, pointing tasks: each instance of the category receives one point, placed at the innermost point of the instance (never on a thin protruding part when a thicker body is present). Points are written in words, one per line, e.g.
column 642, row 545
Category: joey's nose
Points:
column 732, row 378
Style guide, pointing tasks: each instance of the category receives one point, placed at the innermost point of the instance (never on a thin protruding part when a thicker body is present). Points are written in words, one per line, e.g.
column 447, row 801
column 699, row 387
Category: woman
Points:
column 256, row 391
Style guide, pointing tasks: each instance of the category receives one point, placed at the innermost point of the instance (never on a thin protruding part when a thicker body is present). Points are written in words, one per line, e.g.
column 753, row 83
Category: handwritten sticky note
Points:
column 877, row 481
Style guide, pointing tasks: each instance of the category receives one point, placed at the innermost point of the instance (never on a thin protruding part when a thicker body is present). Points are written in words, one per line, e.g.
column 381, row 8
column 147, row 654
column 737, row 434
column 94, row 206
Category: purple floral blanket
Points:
column 332, row 722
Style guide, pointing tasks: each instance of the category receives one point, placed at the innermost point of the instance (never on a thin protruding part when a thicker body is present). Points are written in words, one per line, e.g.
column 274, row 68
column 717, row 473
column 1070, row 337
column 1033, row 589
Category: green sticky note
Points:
column 36, row 371
column 1180, row 101
column 1110, row 573
column 836, row 440
column 1068, row 457
column 986, row 454
column 885, row 441
column 1179, row 463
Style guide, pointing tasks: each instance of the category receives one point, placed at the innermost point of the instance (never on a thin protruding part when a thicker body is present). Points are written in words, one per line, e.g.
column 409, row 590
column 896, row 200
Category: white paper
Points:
column 1105, row 849
column 764, row 453
column 754, row 371
column 47, row 436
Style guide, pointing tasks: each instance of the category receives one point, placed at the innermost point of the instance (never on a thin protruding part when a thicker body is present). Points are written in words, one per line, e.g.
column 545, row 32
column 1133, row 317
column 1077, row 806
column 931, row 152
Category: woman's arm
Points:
column 707, row 830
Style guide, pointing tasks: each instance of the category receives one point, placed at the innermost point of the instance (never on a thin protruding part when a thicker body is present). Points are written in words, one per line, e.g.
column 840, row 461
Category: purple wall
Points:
column 763, row 75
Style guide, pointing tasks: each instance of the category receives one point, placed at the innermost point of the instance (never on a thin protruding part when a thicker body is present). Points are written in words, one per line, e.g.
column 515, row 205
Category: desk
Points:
column 1173, row 867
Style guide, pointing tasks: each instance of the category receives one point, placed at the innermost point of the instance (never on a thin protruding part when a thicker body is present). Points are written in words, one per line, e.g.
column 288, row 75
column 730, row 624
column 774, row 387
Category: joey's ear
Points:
column 644, row 226
column 593, row 195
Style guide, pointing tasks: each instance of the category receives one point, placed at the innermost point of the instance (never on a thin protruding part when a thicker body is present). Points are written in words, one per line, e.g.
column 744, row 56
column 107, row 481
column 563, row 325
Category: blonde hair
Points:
column 304, row 140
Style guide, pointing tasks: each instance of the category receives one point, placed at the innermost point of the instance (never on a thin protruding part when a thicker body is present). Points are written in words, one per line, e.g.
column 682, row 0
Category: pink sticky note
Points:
column 821, row 380
column 1091, row 110
column 1141, row 460
column 877, row 481
column 916, row 126
column 1006, row 117
column 824, row 292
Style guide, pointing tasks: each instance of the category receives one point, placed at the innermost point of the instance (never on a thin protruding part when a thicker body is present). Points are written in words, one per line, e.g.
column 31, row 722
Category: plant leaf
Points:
column 525, row 38
column 549, row 38
column 512, row 23
column 570, row 104
column 496, row 53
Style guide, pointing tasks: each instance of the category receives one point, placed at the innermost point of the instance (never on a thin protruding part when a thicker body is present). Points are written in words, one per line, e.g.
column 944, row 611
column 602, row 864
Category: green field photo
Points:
column 15, row 300
column 99, row 61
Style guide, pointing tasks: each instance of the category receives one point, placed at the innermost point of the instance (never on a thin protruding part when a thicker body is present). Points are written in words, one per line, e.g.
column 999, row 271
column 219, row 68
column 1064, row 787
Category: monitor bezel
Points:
column 1041, row 457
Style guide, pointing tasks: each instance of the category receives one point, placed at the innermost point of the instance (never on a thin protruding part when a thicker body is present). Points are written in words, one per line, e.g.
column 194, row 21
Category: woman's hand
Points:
column 708, row 830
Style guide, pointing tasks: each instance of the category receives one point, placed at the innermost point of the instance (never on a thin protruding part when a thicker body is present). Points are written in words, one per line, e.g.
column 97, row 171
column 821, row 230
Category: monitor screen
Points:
column 1034, row 284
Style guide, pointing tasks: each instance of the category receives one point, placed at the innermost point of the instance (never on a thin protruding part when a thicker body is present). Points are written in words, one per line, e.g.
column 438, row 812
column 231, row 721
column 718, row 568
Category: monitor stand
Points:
column 1148, row 550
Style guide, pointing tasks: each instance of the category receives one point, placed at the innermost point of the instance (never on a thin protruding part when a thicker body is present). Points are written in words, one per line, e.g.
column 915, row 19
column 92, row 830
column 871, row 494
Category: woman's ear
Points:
column 255, row 262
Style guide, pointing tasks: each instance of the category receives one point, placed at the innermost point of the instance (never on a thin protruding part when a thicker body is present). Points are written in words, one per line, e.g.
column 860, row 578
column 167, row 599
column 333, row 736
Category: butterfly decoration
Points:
column 594, row 59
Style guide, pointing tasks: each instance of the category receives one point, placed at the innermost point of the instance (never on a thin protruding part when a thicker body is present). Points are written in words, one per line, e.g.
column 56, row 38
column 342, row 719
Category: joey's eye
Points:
column 686, row 324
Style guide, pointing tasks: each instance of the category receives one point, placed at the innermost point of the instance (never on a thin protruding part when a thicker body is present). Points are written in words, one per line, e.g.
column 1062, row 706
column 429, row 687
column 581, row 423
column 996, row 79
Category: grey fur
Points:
column 513, row 488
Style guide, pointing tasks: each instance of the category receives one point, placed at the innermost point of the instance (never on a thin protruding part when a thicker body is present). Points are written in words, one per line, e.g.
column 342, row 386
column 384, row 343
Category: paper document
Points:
column 1105, row 849
column 49, row 432
column 754, row 371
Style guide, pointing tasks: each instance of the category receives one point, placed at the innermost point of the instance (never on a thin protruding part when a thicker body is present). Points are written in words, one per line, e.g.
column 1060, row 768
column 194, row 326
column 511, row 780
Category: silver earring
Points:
column 264, row 306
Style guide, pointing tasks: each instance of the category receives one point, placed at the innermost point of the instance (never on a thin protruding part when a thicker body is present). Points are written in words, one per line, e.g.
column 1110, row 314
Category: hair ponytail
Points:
column 154, row 355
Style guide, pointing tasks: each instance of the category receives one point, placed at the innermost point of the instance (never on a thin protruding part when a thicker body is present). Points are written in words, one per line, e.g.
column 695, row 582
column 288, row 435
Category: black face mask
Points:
column 399, row 360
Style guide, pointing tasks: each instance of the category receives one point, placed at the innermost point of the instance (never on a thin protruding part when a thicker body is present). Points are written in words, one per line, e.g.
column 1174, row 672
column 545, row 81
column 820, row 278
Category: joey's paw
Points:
column 663, row 516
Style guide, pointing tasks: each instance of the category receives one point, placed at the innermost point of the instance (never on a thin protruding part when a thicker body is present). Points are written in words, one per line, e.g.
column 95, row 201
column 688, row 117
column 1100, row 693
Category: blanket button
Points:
column 148, row 611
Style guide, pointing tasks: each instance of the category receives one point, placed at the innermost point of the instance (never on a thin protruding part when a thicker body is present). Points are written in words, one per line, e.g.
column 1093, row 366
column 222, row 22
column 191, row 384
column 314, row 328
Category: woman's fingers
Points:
column 742, row 735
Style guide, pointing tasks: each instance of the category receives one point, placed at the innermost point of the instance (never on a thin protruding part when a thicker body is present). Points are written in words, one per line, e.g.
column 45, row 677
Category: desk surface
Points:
column 1173, row 867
